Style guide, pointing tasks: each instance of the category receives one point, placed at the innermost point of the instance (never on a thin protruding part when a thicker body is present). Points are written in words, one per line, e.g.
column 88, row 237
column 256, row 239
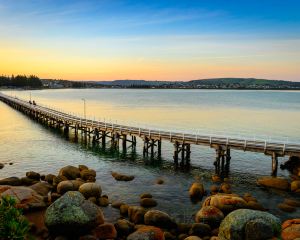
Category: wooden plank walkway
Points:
column 153, row 137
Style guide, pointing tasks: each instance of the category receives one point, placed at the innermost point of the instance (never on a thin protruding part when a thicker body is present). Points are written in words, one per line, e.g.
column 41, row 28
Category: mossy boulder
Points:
column 71, row 214
column 246, row 224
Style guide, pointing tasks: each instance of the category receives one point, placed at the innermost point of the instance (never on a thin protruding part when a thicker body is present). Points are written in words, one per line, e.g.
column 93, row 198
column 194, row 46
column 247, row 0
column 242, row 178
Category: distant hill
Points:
column 212, row 83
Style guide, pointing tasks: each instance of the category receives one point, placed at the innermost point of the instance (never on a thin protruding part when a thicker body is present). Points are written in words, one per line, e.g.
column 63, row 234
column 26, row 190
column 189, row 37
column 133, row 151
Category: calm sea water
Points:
column 270, row 115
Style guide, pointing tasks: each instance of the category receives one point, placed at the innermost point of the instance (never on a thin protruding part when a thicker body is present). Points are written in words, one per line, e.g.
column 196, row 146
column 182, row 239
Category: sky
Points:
column 152, row 40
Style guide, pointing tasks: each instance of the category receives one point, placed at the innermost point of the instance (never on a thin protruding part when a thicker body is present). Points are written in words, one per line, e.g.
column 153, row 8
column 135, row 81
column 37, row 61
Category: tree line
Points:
column 20, row 81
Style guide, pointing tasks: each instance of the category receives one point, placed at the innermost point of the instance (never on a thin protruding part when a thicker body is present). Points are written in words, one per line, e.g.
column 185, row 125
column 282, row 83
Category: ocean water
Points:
column 267, row 115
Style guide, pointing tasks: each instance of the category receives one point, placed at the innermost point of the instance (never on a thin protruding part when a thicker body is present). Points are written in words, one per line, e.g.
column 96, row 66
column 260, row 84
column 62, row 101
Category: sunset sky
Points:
column 152, row 40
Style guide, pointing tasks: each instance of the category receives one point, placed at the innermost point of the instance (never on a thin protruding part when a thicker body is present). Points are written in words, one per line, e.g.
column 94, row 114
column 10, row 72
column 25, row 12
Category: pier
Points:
column 121, row 136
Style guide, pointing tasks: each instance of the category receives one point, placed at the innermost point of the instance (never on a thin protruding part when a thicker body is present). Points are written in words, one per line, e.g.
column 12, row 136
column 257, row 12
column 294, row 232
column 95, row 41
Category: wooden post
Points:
column 175, row 157
column 124, row 140
column 217, row 162
column 103, row 139
column 274, row 164
column 159, row 148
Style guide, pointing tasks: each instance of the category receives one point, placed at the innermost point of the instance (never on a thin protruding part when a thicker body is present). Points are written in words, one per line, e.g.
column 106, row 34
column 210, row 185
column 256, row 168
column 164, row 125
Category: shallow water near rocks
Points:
column 31, row 146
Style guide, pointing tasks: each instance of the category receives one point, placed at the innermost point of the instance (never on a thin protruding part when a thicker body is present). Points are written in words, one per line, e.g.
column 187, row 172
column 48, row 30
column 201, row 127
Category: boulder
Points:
column 295, row 185
column 159, row 219
column 122, row 177
column 160, row 181
column 197, row 191
column 88, row 174
column 214, row 189
column 105, row 231
column 274, row 182
column 42, row 188
column 28, row 181
column 200, row 230
column 183, row 227
column 124, row 227
column 148, row 202
column 291, row 229
column 57, row 179
column 258, row 229
column 146, row 195
column 1, row 165
column 82, row 167
column 124, row 209
column 169, row 236
column 209, row 215
column 225, row 202
column 192, row 238
column 147, row 233
column 292, row 202
column 136, row 214
column 117, row 204
column 70, row 172
column 293, row 165
column 71, row 214
column 33, row 175
column 90, row 190
column 68, row 185
column 233, row 226
column 286, row 208
column 26, row 197
column 12, row 181
column 93, row 199
column 49, row 178
column 215, row 178
column 103, row 202
column 225, row 188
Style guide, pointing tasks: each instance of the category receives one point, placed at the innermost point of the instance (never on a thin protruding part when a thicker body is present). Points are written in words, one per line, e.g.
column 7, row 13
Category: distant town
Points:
column 33, row 82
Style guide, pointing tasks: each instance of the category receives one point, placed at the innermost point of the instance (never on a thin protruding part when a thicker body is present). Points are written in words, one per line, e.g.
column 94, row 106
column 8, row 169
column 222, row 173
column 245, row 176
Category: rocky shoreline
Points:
column 70, row 205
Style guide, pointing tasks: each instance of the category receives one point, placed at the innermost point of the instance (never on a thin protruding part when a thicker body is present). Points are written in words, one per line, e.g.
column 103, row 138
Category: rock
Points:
column 214, row 189
column 192, row 238
column 82, row 167
column 136, row 214
column 159, row 219
column 183, row 236
column 200, row 230
column 295, row 185
column 209, row 215
column 54, row 197
column 147, row 233
column 160, row 181
column 148, row 202
column 90, row 190
column 258, row 229
column 124, row 209
column 103, row 202
column 215, row 178
column 122, row 177
column 255, row 206
column 57, row 179
column 292, row 202
column 169, row 236
column 146, row 195
column 105, row 231
column 93, row 199
column 286, row 208
column 88, row 237
column 183, row 227
column 42, row 188
column 68, row 185
column 12, row 181
column 225, row 202
column 49, row 178
column 291, row 229
column 28, row 181
column 248, row 197
column 225, row 188
column 234, row 224
column 72, row 215
column 124, row 227
column 70, row 172
column 1, row 165
column 117, row 204
column 26, row 197
column 88, row 174
column 33, row 175
column 274, row 182
column 197, row 191
column 293, row 165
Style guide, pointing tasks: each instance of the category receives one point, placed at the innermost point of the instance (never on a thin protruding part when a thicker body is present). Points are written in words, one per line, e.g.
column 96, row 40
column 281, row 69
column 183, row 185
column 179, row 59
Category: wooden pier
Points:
column 98, row 131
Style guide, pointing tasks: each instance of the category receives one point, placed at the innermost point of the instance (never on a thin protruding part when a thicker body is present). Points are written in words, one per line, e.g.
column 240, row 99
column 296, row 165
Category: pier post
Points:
column 175, row 156
column 274, row 164
column 103, row 138
column 217, row 162
column 159, row 148
column 146, row 146
column 124, row 140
